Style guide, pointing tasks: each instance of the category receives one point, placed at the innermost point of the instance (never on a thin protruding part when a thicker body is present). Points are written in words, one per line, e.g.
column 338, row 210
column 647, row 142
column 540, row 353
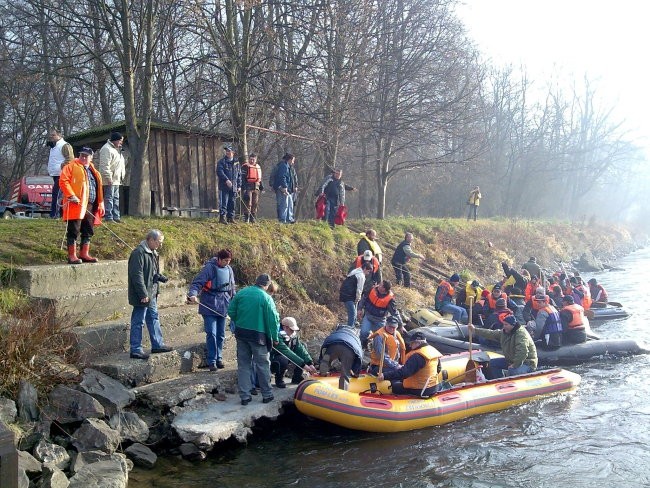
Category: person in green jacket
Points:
column 517, row 346
column 257, row 321
column 290, row 349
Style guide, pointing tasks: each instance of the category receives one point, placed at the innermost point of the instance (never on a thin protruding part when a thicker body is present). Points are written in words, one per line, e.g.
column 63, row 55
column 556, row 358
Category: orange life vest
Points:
column 380, row 302
column 253, row 173
column 394, row 344
column 492, row 302
column 359, row 262
column 450, row 289
column 577, row 316
column 428, row 375
column 530, row 290
column 586, row 299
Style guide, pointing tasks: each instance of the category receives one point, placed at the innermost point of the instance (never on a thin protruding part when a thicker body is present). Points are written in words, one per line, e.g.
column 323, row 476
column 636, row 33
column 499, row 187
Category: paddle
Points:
column 381, row 360
column 471, row 365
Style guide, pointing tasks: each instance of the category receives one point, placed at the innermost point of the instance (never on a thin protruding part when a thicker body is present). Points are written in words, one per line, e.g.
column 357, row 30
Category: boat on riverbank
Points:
column 592, row 350
column 369, row 405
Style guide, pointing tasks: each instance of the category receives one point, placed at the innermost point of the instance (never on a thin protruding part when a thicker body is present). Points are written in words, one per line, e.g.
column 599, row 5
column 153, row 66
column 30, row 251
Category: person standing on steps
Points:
column 143, row 281
column 474, row 201
column 229, row 176
column 216, row 283
column 113, row 170
column 83, row 204
column 257, row 323
column 403, row 254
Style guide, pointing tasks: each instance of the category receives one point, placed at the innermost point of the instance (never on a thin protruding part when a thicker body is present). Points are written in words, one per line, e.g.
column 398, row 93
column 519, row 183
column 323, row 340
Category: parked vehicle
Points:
column 29, row 195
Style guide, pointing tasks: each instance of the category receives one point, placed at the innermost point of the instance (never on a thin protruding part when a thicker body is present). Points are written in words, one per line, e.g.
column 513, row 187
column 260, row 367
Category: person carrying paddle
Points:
column 517, row 346
column 419, row 375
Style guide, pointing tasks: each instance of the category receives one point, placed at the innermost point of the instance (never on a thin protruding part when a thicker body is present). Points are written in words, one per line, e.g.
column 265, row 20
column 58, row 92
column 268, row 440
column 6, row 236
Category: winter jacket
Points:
column 111, row 164
column 215, row 292
column 143, row 265
column 517, row 347
column 229, row 170
column 254, row 313
column 345, row 335
column 56, row 158
column 74, row 182
column 293, row 349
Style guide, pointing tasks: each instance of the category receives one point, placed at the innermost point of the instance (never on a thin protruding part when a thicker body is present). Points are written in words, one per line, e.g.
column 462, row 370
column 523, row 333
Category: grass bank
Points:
column 309, row 260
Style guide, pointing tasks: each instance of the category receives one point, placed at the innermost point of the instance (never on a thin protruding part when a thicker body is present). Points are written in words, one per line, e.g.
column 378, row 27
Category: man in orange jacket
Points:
column 83, row 204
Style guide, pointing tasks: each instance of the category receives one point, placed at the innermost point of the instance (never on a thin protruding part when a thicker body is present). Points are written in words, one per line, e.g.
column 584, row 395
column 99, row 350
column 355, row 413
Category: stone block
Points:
column 141, row 455
column 130, row 426
column 68, row 405
column 112, row 394
column 96, row 435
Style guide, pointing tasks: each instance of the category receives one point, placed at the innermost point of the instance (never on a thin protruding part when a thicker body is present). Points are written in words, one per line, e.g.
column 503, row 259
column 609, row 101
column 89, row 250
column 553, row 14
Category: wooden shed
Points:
column 182, row 166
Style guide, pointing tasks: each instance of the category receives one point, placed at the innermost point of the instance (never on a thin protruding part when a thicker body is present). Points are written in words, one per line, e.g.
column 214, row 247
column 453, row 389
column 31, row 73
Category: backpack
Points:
column 273, row 175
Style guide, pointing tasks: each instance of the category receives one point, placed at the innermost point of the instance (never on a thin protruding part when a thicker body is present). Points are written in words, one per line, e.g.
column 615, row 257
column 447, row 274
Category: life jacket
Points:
column 428, row 375
column 538, row 305
column 598, row 293
column 359, row 262
column 341, row 215
column 374, row 247
column 502, row 314
column 492, row 302
column 577, row 316
column 253, row 173
column 471, row 292
column 444, row 293
column 380, row 302
column 394, row 345
column 221, row 283
column 553, row 324
column 530, row 290
column 586, row 299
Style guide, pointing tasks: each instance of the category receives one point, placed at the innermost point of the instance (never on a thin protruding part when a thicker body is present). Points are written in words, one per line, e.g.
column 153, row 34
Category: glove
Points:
column 74, row 199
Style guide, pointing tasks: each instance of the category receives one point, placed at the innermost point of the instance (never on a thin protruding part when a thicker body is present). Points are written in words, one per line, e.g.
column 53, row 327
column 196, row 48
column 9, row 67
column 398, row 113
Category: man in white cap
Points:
column 290, row 350
column 368, row 257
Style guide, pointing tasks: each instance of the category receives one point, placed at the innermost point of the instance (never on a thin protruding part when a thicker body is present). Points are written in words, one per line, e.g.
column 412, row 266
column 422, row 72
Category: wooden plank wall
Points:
column 182, row 170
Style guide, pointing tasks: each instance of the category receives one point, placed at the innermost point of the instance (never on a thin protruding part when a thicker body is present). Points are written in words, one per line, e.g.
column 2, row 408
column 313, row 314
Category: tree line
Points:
column 394, row 92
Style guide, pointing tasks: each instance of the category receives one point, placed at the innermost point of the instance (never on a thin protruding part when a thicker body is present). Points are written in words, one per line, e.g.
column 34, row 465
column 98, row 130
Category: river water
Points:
column 597, row 436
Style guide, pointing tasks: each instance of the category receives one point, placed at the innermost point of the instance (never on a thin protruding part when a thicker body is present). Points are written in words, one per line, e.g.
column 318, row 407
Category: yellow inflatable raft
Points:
column 359, row 409
column 427, row 317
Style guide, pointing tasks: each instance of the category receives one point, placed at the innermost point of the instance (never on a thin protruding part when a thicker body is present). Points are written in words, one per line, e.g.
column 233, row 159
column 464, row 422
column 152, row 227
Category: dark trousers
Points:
column 83, row 227
column 472, row 208
column 402, row 271
column 345, row 355
column 279, row 366
column 54, row 210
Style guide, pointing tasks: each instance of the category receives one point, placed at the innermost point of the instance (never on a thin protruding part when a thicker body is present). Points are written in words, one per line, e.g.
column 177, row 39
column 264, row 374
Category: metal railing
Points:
column 8, row 458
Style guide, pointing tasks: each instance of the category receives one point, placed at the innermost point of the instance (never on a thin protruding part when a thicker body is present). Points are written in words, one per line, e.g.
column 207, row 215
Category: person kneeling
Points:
column 387, row 341
column 419, row 375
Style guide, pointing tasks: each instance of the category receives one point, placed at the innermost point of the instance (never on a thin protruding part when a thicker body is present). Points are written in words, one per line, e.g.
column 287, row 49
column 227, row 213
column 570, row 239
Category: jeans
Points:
column 351, row 307
column 331, row 210
column 227, row 202
column 54, row 208
column 247, row 350
column 215, row 334
column 523, row 369
column 459, row 313
column 112, row 202
column 139, row 316
column 284, row 206
column 370, row 323
column 472, row 208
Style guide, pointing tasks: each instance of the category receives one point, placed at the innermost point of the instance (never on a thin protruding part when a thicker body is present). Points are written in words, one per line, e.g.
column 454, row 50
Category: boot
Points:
column 252, row 219
column 222, row 219
column 246, row 219
column 72, row 254
column 279, row 381
column 83, row 254
column 231, row 220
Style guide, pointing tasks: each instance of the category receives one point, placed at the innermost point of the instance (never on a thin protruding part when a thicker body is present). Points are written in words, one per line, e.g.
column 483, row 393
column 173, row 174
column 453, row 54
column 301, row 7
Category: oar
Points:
column 615, row 304
column 381, row 360
column 471, row 366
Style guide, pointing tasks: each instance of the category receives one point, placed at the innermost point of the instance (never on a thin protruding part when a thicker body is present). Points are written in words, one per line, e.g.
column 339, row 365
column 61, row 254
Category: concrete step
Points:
column 98, row 304
column 97, row 340
column 62, row 279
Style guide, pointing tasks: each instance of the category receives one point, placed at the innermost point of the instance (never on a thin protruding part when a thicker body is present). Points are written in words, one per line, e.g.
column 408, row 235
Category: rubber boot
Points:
column 222, row 219
column 83, row 254
column 72, row 254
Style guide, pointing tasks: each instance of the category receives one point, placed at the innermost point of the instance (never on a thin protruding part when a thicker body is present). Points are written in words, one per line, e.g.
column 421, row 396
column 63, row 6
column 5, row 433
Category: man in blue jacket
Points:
column 229, row 176
column 285, row 186
column 342, row 344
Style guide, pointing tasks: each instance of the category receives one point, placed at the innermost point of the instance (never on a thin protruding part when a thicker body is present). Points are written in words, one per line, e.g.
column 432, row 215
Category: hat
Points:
column 540, row 289
column 501, row 303
column 454, row 278
column 227, row 148
column 485, row 293
column 86, row 150
column 497, row 286
column 263, row 280
column 540, row 295
column 510, row 319
column 568, row 299
column 116, row 136
column 367, row 255
column 392, row 321
column 290, row 322
column 417, row 336
column 475, row 284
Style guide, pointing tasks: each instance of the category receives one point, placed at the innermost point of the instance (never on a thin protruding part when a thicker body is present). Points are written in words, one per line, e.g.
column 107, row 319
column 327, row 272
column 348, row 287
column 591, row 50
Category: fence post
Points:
column 8, row 458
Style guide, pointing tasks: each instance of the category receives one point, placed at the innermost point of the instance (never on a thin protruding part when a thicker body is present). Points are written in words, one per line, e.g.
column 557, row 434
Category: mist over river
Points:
column 597, row 436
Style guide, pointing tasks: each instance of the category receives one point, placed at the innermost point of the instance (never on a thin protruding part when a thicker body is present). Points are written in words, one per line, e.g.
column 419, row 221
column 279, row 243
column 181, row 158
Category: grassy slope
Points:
column 308, row 260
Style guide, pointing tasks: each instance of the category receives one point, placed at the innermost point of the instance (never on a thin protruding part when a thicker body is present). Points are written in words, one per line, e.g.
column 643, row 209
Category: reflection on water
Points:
column 597, row 436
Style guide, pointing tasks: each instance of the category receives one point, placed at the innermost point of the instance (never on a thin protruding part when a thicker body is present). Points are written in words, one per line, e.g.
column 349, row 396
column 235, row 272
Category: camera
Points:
column 160, row 278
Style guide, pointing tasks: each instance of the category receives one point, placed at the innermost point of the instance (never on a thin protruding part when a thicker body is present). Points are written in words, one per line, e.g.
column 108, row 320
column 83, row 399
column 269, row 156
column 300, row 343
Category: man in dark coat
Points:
column 229, row 175
column 342, row 344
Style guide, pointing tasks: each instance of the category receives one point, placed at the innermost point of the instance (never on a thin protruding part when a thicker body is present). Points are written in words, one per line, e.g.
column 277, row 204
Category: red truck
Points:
column 29, row 195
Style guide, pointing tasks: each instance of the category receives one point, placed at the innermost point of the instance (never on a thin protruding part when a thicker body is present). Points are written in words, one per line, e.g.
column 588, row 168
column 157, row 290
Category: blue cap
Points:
column 510, row 319
column 454, row 277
